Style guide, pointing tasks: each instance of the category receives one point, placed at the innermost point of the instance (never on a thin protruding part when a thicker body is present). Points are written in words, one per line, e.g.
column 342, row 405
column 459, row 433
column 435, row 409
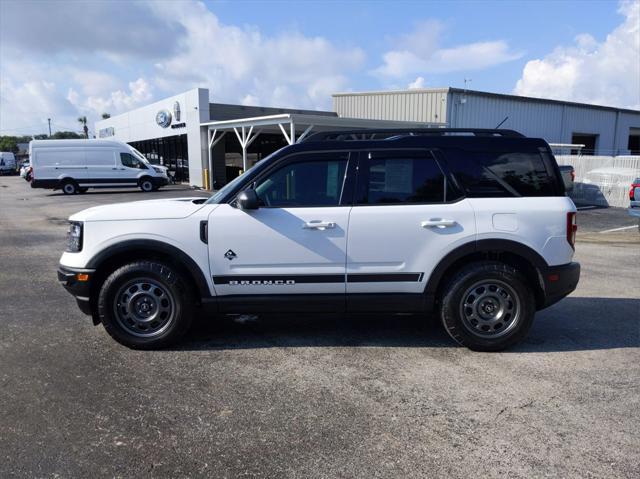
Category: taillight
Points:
column 572, row 229
column 632, row 191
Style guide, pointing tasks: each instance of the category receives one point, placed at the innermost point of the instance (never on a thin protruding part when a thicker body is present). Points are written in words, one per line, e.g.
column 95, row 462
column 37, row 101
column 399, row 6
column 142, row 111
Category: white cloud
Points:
column 128, row 29
column 169, row 47
column 417, row 84
column 419, row 52
column 288, row 69
column 139, row 93
column 25, row 107
column 606, row 73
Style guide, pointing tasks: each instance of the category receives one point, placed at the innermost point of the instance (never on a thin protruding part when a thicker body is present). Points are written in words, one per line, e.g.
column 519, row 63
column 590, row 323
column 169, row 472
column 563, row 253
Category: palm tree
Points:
column 83, row 121
column 106, row 115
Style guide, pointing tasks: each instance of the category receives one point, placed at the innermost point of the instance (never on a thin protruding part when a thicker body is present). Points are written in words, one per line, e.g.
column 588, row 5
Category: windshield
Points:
column 224, row 191
column 139, row 155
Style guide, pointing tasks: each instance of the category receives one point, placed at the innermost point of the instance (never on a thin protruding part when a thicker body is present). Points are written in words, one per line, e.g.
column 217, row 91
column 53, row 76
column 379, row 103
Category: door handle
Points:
column 319, row 225
column 438, row 223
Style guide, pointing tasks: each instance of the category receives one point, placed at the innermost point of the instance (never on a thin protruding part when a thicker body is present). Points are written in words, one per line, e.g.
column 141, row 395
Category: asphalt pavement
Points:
column 312, row 396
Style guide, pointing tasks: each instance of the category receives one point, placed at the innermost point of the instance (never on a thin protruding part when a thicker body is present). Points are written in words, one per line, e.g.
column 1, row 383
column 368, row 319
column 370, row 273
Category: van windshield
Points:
column 139, row 155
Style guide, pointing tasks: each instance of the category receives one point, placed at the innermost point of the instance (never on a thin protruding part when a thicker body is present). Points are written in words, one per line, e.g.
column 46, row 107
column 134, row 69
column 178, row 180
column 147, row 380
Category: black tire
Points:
column 169, row 309
column 146, row 184
column 487, row 306
column 69, row 187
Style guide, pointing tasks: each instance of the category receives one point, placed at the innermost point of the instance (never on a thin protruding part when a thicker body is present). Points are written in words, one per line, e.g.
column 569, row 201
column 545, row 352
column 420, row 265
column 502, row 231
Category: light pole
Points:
column 49, row 120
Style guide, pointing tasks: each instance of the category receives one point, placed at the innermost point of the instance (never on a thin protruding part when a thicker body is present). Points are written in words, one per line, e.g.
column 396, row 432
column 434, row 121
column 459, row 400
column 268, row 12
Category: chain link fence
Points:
column 602, row 180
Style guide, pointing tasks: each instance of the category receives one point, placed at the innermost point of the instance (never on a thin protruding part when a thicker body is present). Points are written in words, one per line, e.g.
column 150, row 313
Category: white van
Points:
column 7, row 163
column 74, row 166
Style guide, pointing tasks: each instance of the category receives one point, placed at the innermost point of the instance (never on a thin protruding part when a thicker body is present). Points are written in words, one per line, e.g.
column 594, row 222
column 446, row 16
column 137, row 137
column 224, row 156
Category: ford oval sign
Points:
column 163, row 118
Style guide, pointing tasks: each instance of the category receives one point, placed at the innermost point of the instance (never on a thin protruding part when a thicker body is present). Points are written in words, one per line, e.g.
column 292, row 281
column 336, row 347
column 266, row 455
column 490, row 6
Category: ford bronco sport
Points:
column 473, row 225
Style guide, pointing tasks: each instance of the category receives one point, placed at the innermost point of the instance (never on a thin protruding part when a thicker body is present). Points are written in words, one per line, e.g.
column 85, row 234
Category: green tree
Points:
column 66, row 135
column 9, row 143
column 83, row 121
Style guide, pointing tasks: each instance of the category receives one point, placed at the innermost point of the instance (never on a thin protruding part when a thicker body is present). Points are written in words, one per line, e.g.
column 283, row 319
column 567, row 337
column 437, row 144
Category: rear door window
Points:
column 501, row 173
column 400, row 177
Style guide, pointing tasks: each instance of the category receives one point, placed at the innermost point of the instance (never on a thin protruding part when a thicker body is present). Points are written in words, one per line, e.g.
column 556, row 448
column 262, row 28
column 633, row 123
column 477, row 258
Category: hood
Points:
column 174, row 208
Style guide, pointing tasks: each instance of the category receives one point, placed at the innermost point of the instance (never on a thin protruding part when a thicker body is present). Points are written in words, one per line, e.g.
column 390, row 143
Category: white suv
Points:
column 474, row 225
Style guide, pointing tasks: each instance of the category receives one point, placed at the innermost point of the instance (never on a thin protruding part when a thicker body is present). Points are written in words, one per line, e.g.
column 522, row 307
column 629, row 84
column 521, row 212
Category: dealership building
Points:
column 208, row 144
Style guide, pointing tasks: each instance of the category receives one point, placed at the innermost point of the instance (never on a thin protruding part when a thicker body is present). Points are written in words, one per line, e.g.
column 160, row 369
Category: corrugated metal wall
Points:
column 553, row 121
column 419, row 105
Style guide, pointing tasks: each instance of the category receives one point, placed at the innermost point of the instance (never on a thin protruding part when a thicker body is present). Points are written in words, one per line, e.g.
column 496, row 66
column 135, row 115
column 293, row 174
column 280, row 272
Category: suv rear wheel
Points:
column 145, row 305
column 487, row 306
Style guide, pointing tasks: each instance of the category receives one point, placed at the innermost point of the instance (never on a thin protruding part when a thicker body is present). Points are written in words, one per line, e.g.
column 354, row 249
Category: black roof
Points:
column 393, row 133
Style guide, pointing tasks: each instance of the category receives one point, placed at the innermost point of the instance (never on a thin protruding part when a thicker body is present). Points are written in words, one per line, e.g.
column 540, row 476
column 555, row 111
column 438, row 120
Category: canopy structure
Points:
column 294, row 127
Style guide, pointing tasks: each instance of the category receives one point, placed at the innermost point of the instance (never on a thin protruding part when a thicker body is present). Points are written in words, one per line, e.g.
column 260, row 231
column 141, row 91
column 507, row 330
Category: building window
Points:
column 589, row 140
column 170, row 151
column 634, row 141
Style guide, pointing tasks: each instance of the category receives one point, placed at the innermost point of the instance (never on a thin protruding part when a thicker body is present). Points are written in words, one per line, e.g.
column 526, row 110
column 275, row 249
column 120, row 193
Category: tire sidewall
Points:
column 69, row 187
column 170, row 280
column 146, row 184
column 450, row 310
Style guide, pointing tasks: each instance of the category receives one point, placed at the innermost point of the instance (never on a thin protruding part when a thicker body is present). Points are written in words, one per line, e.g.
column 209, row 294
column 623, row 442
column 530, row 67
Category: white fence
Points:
column 602, row 180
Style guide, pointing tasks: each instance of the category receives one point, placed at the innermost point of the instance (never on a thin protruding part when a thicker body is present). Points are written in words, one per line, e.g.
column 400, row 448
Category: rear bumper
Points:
column 559, row 281
column 80, row 290
column 635, row 209
column 48, row 184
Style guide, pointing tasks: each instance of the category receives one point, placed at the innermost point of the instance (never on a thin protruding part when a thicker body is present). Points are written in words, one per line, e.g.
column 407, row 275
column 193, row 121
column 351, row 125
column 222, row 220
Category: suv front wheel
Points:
column 145, row 305
column 487, row 306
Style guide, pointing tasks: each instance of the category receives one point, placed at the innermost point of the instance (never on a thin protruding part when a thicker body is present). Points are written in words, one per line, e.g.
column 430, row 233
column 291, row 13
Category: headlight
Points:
column 162, row 171
column 74, row 237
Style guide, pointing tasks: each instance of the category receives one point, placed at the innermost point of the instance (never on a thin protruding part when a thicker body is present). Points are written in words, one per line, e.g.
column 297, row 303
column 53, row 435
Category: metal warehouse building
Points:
column 603, row 130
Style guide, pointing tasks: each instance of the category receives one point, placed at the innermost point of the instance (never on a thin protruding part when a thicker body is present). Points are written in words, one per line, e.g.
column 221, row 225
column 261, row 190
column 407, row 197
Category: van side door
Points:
column 405, row 219
column 101, row 166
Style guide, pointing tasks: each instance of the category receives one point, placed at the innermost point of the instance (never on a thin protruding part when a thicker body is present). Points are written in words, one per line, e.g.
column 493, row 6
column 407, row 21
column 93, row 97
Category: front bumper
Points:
column 160, row 180
column 73, row 280
column 559, row 281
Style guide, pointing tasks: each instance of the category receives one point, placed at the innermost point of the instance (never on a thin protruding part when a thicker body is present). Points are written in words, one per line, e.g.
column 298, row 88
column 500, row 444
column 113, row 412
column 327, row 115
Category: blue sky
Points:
column 532, row 27
column 85, row 58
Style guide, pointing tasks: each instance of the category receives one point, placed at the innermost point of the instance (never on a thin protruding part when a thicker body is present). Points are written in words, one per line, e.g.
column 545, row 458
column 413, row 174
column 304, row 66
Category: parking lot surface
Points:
column 316, row 396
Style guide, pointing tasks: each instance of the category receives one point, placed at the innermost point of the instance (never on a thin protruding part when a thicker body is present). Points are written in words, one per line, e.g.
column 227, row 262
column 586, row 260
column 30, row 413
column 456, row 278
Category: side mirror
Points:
column 248, row 200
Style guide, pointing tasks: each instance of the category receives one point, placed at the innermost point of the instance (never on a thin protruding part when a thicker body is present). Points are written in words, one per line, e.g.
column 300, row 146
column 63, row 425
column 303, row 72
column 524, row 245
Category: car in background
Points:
column 568, row 176
column 7, row 163
column 24, row 169
column 634, row 200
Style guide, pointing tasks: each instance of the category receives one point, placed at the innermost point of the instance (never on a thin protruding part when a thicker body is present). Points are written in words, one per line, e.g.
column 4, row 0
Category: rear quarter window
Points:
column 501, row 173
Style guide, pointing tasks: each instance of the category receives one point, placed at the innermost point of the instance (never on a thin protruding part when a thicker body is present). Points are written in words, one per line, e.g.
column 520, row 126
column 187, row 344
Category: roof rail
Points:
column 393, row 133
